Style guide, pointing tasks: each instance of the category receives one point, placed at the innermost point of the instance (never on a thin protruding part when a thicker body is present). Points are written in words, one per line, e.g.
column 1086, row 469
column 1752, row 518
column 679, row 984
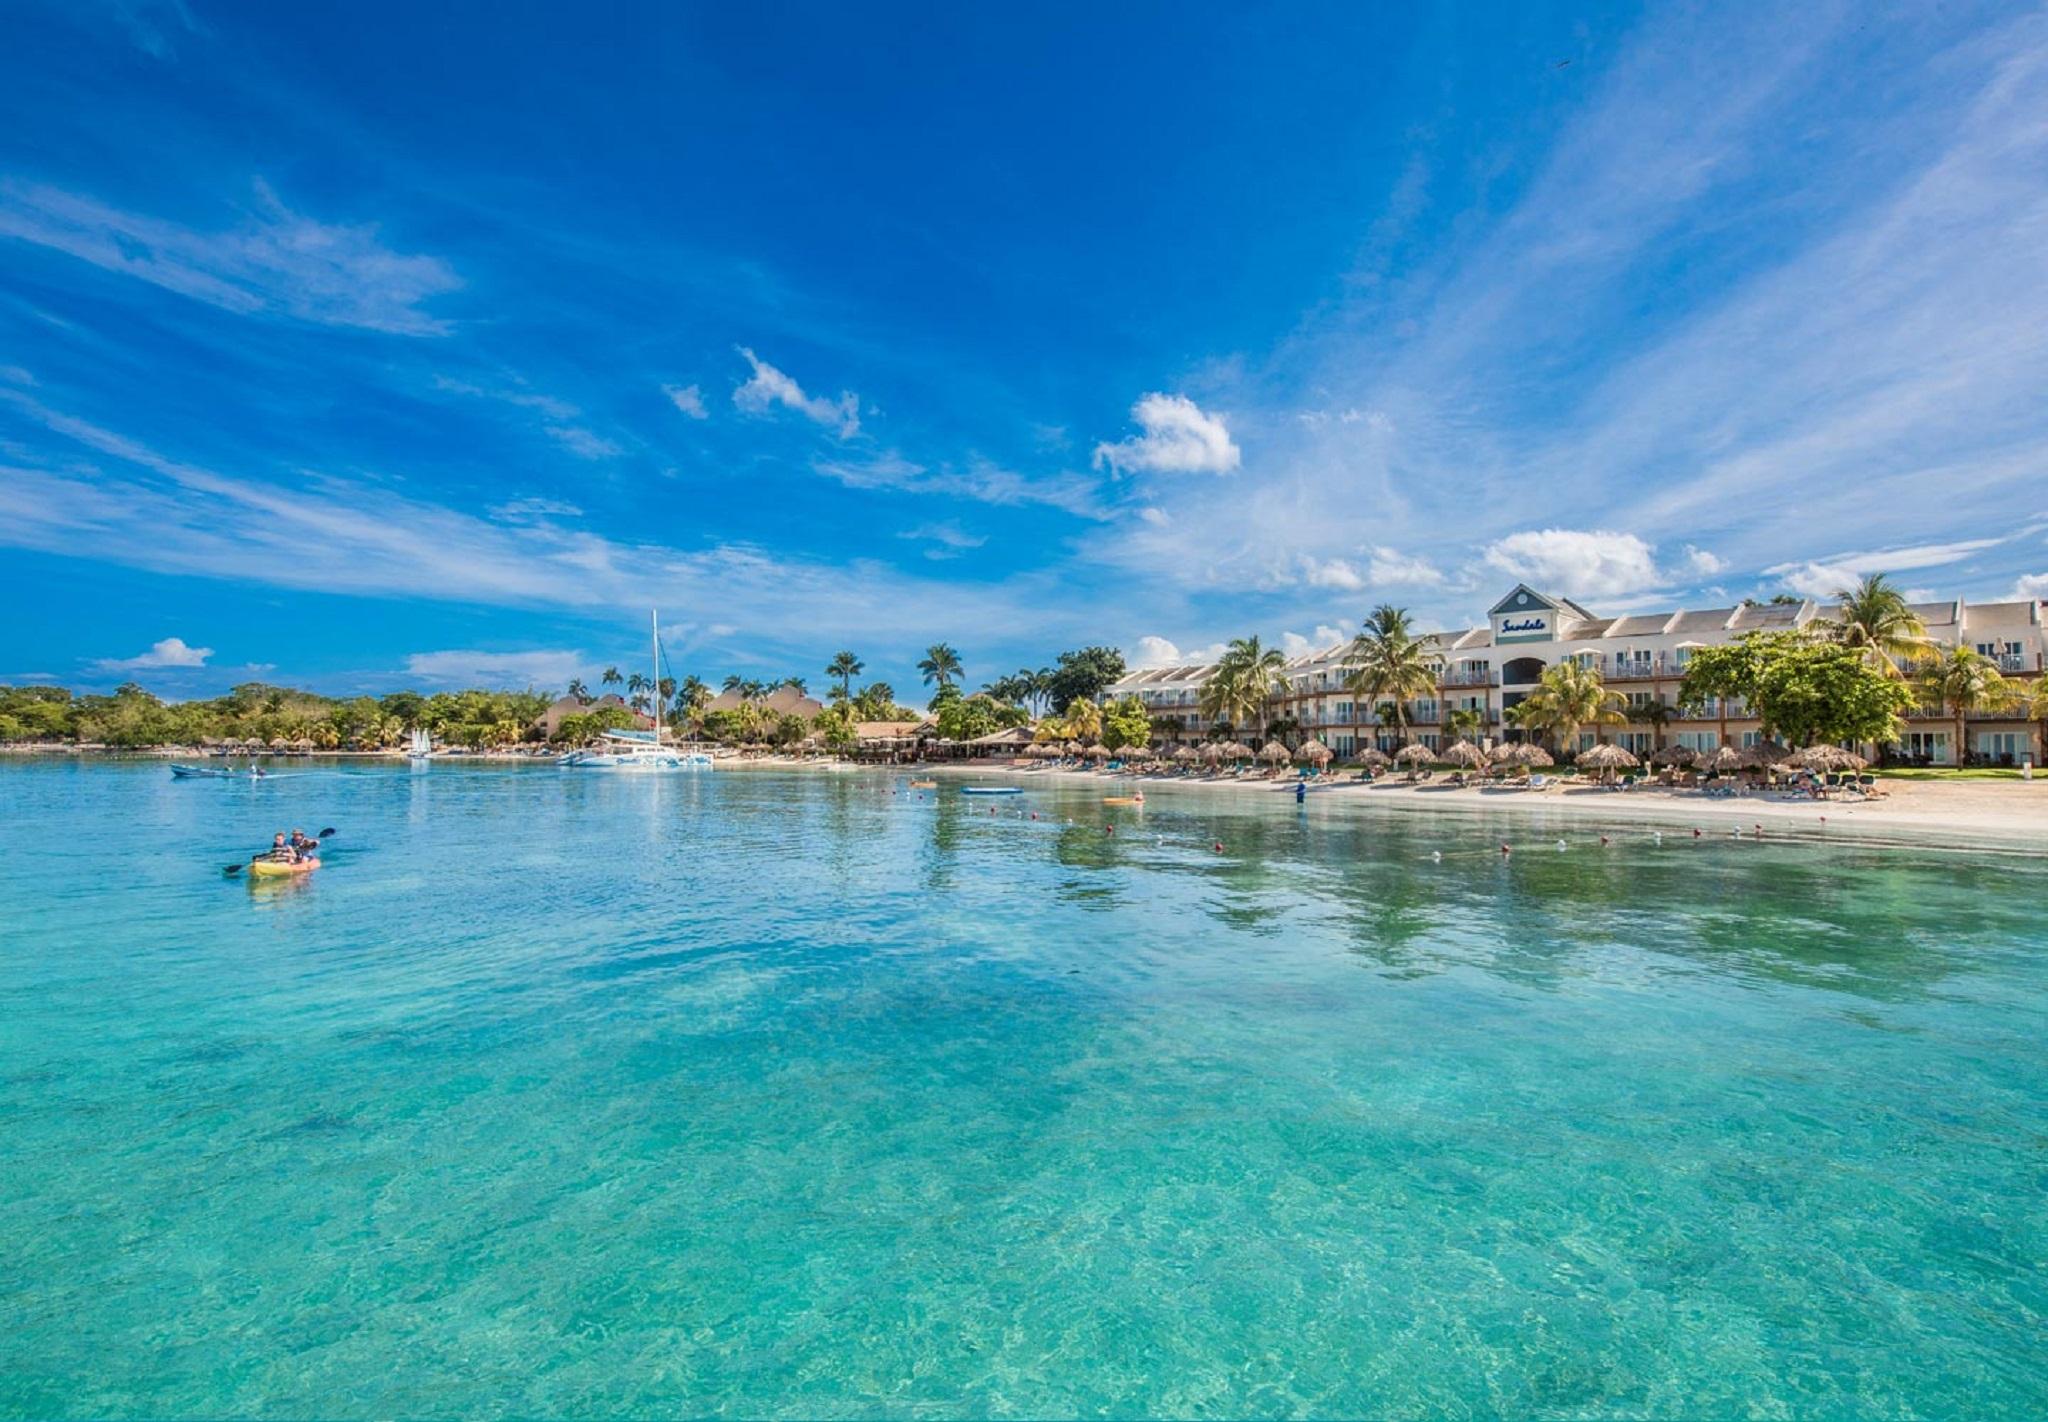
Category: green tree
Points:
column 1387, row 660
column 1082, row 676
column 1569, row 697
column 941, row 664
column 846, row 666
column 1803, row 688
column 1876, row 619
column 1655, row 713
column 1463, row 723
column 1126, row 723
column 1963, row 681
column 1246, row 677
column 611, row 677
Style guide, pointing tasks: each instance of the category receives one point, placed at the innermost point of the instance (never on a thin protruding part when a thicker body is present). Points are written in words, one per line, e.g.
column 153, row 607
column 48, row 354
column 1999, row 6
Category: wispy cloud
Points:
column 768, row 388
column 276, row 262
column 947, row 539
column 170, row 652
column 136, row 507
column 1823, row 578
column 1179, row 438
column 558, row 418
column 547, row 670
column 979, row 480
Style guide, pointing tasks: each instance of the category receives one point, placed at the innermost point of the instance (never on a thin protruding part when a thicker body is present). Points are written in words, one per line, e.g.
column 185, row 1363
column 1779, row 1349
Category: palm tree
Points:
column 581, row 692
column 797, row 684
column 1964, row 681
column 734, row 682
column 636, row 683
column 611, row 676
column 846, row 666
column 1083, row 720
column 1389, row 661
column 1654, row 713
column 1463, row 724
column 2037, row 712
column 1246, row 677
column 1569, row 698
column 1876, row 618
column 941, row 664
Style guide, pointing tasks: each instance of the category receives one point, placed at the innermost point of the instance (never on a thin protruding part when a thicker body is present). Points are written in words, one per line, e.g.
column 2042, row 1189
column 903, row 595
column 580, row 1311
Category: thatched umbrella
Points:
column 1186, row 755
column 1526, row 753
column 1765, row 753
column 1722, row 758
column 1210, row 752
column 1607, row 758
column 1414, row 753
column 1098, row 751
column 1315, row 752
column 1275, row 752
column 1824, row 758
column 1237, row 750
column 1674, row 755
column 1371, row 757
column 1465, row 755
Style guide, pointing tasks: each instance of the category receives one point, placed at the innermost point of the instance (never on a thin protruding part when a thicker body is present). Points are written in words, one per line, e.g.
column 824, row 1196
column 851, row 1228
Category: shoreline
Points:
column 2009, row 816
column 2003, row 816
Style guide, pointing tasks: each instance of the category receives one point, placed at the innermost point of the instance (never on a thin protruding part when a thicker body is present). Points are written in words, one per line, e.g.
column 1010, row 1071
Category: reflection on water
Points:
column 760, row 1092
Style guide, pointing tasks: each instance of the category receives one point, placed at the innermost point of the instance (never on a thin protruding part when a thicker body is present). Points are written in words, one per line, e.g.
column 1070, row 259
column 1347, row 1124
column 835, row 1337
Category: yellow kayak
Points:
column 1123, row 799
column 272, row 869
column 924, row 784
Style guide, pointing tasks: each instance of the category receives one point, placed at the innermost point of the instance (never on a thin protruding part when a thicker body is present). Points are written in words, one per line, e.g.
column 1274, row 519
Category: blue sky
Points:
column 428, row 345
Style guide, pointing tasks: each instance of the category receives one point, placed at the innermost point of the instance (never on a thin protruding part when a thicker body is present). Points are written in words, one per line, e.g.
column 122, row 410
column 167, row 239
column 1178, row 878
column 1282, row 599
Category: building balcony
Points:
column 1638, row 669
column 1452, row 677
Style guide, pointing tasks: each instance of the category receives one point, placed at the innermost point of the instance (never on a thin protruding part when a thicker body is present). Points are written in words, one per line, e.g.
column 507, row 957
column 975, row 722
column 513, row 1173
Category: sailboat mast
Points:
column 654, row 622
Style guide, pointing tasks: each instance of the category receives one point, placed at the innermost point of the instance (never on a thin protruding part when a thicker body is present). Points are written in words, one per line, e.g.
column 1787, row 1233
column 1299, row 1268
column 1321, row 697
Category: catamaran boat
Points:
column 420, row 746
column 639, row 750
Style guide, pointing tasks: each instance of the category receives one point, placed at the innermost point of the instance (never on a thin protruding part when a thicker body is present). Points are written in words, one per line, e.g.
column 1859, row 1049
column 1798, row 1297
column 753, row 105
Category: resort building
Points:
column 1483, row 671
column 550, row 722
column 782, row 701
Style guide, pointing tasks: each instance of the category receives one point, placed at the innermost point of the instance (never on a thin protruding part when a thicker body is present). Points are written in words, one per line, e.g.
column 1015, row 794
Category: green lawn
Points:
column 1937, row 772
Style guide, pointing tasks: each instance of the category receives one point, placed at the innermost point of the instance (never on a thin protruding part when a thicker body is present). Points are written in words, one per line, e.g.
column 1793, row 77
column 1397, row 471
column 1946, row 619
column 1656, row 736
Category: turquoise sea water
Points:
column 755, row 1093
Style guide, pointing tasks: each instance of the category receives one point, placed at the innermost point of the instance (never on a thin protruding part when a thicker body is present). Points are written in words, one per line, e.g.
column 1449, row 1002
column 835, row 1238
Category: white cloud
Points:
column 1823, row 578
column 687, row 398
column 1576, row 562
column 1294, row 644
column 1702, row 563
column 276, row 262
column 1156, row 516
column 1158, row 652
column 547, row 669
column 768, row 387
column 2031, row 587
column 1335, row 573
column 1179, row 438
column 1390, row 567
column 170, row 652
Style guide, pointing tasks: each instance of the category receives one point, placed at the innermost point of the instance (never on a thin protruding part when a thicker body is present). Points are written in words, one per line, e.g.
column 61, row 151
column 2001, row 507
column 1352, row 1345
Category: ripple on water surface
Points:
column 569, row 1093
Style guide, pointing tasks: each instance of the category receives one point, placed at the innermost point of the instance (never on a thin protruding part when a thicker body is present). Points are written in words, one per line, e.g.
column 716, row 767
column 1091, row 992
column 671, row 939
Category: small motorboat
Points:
column 924, row 784
column 203, row 772
column 991, row 790
column 1123, row 799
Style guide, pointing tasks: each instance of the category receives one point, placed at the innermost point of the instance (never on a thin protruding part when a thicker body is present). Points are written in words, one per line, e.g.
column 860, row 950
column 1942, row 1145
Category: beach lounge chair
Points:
column 1540, row 782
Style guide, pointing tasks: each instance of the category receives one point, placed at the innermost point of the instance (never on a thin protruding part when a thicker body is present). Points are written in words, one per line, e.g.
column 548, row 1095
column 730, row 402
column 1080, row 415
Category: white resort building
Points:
column 1489, row 668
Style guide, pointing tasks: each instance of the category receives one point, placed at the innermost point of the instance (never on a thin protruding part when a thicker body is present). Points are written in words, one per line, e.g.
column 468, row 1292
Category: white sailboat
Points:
column 640, row 750
column 420, row 745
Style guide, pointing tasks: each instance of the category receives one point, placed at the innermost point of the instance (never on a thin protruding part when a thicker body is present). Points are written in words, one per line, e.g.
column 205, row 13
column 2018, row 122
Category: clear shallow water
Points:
column 759, row 1093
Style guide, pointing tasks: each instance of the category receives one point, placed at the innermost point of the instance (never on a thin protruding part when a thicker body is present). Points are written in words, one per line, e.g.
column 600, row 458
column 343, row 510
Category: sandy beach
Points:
column 2000, row 814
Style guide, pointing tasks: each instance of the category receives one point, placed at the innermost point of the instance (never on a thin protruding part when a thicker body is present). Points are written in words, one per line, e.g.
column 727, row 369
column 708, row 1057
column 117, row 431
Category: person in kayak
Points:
column 281, row 851
column 303, row 845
